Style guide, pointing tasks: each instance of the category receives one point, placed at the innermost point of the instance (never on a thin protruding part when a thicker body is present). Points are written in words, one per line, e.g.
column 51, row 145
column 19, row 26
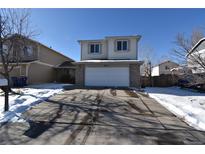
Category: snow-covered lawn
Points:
column 27, row 97
column 187, row 105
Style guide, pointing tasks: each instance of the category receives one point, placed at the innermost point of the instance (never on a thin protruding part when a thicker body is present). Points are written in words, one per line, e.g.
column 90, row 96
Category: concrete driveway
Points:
column 105, row 116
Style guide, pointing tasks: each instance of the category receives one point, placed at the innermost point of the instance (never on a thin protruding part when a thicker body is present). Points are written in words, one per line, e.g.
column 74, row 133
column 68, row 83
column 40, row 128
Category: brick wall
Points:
column 79, row 75
column 135, row 75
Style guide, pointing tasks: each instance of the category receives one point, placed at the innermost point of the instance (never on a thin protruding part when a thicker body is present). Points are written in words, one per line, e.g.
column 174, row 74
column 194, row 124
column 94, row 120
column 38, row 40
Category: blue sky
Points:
column 61, row 28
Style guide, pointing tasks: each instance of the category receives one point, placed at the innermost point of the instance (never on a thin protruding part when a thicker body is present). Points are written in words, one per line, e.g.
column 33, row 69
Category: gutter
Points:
column 110, row 62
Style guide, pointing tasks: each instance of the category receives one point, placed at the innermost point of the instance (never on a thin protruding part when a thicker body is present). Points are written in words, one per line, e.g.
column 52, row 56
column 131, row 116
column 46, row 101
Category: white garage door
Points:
column 107, row 76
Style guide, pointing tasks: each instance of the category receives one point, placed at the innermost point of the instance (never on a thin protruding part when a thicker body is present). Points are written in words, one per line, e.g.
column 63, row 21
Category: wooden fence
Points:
column 159, row 81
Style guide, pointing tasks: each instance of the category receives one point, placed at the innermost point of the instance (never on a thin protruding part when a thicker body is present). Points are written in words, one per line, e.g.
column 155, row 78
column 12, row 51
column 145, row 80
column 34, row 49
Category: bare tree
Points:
column 14, row 30
column 185, row 43
column 194, row 60
column 147, row 55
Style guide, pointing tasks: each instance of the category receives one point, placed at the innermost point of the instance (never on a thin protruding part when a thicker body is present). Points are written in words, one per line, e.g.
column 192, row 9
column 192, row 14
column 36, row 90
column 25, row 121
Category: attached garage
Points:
column 108, row 73
column 107, row 76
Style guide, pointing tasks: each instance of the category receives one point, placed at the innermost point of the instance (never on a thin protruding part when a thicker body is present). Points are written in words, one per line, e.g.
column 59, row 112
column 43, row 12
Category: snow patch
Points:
column 27, row 97
column 187, row 105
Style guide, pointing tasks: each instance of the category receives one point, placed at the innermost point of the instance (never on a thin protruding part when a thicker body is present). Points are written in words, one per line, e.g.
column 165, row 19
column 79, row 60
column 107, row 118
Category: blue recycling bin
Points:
column 14, row 81
column 24, row 80
column 19, row 82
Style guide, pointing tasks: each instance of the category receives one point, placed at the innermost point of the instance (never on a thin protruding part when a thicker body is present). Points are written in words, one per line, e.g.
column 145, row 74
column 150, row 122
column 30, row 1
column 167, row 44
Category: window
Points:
column 166, row 67
column 5, row 48
column 122, row 45
column 94, row 48
column 28, row 51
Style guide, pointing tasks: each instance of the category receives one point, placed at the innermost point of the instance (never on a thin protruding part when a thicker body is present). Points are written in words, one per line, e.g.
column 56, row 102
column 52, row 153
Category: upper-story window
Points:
column 28, row 51
column 5, row 48
column 94, row 48
column 122, row 45
column 166, row 68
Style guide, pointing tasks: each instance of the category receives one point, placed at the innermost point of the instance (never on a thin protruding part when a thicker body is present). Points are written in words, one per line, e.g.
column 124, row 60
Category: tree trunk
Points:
column 7, row 76
column 6, row 92
column 6, row 107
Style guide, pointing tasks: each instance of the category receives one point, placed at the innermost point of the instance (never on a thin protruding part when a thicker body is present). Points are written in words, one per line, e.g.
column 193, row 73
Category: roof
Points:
column 195, row 46
column 107, row 37
column 109, row 61
column 66, row 64
column 53, row 50
column 46, row 47
column 97, row 40
column 167, row 61
column 132, row 36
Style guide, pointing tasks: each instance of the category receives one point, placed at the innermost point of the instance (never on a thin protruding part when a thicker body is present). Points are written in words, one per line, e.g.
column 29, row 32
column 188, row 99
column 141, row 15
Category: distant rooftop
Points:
column 166, row 61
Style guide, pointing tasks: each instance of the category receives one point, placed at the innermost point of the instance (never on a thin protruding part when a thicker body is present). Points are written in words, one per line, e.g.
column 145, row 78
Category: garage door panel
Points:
column 107, row 76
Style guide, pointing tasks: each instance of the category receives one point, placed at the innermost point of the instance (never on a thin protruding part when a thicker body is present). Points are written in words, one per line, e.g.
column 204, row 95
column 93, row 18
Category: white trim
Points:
column 109, row 61
column 195, row 46
column 115, row 37
column 23, row 74
column 27, row 69
column 42, row 63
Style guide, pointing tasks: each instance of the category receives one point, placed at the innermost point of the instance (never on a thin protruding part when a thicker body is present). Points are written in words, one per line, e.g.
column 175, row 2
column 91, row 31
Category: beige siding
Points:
column 49, row 56
column 23, row 70
column 108, row 50
column 38, row 73
column 34, row 55
column 16, row 72
column 39, row 65
column 17, row 51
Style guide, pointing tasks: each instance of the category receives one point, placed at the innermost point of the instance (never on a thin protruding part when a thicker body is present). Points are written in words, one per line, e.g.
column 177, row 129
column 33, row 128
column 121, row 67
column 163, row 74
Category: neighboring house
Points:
column 164, row 68
column 198, row 51
column 39, row 63
column 112, row 61
column 181, row 70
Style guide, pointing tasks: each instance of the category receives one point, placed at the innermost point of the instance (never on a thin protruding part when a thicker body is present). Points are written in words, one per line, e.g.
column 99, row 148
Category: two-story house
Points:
column 112, row 61
column 164, row 68
column 39, row 63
